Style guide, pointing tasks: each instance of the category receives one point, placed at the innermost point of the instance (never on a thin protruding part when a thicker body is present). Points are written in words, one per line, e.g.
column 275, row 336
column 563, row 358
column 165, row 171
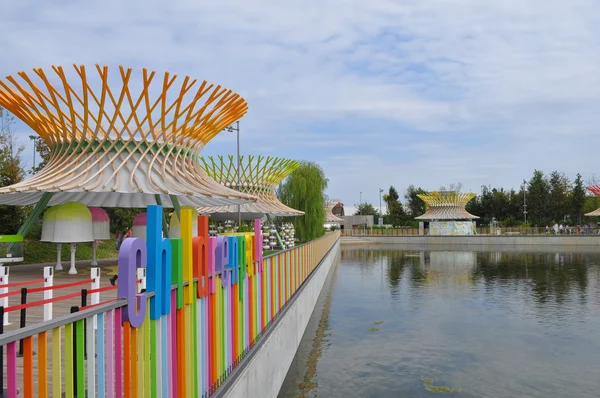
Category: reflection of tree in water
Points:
column 398, row 262
column 551, row 276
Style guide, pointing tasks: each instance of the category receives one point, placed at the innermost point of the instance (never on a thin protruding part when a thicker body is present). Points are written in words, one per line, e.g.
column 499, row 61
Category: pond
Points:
column 403, row 321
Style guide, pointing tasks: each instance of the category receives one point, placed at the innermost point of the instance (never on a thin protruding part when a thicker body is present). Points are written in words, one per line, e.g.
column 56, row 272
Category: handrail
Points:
column 296, row 247
column 16, row 335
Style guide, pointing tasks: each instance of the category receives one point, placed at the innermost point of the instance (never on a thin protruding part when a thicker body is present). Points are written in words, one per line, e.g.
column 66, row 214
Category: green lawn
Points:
column 37, row 252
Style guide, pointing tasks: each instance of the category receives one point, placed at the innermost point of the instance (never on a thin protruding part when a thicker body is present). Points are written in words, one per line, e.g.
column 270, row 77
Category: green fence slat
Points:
column 80, row 353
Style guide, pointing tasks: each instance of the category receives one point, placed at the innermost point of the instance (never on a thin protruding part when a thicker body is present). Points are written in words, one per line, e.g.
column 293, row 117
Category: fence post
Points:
column 95, row 297
column 141, row 276
column 23, row 318
column 2, row 354
column 4, row 301
column 48, row 281
column 84, row 294
column 74, row 309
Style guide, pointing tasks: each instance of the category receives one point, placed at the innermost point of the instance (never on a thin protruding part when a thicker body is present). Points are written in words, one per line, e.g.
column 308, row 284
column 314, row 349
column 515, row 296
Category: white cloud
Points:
column 380, row 92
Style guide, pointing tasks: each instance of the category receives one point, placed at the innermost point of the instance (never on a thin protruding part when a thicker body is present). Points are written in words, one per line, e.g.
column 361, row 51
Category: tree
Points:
column 538, row 199
column 559, row 195
column 577, row 199
column 44, row 151
column 304, row 190
column 395, row 210
column 416, row 206
column 11, row 172
column 366, row 209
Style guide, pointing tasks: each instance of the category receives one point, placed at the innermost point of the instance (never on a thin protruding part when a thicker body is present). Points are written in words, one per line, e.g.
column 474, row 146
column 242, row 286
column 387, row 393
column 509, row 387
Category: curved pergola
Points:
column 595, row 189
column 259, row 176
column 446, row 205
column 329, row 216
column 121, row 140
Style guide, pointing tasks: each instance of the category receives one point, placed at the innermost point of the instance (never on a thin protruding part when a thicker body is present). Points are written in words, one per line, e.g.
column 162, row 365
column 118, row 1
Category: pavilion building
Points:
column 446, row 213
column 126, row 140
column 258, row 177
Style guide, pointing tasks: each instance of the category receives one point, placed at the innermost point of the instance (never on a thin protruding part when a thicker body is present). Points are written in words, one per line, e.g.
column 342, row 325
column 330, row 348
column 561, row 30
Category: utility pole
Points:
column 239, row 184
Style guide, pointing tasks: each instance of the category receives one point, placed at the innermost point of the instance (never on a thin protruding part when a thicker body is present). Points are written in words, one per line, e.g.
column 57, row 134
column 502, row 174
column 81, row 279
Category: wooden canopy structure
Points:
column 595, row 189
column 446, row 205
column 329, row 216
column 123, row 140
column 258, row 177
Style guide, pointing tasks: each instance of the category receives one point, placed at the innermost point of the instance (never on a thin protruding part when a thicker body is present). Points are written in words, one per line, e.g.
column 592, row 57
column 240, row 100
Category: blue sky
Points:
column 379, row 92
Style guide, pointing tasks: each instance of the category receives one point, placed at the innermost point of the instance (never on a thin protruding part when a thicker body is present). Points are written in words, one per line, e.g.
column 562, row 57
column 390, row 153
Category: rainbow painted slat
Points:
column 198, row 335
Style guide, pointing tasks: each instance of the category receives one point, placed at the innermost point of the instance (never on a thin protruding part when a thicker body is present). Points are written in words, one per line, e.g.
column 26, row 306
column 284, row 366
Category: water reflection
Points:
column 552, row 276
column 495, row 323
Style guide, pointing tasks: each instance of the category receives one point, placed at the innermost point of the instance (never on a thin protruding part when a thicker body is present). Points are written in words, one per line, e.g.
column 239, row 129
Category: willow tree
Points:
column 304, row 190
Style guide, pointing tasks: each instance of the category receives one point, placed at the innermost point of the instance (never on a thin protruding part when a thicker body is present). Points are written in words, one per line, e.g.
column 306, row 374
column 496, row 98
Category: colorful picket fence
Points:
column 381, row 232
column 207, row 302
column 415, row 231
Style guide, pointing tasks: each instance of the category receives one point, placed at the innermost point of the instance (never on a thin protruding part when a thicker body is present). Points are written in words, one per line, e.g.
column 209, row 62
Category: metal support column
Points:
column 165, row 224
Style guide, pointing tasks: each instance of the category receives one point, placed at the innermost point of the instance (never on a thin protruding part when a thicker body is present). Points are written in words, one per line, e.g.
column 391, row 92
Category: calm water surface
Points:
column 490, row 324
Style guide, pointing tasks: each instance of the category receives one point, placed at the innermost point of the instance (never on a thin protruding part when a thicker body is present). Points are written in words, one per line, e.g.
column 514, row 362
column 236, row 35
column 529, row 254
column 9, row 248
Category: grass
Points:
column 437, row 389
column 39, row 252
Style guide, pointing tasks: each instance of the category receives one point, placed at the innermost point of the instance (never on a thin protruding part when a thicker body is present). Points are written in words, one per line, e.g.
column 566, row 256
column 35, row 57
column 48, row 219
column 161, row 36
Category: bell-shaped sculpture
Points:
column 48, row 224
column 174, row 225
column 138, row 229
column 73, row 224
column 48, row 234
column 101, row 229
column 100, row 223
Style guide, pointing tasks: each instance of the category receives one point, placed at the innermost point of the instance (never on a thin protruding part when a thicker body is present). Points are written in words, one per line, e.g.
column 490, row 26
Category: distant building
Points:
column 338, row 209
column 446, row 213
column 356, row 222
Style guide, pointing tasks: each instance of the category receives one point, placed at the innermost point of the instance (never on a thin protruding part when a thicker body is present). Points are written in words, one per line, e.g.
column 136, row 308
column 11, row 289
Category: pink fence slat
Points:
column 118, row 330
column 11, row 370
column 110, row 355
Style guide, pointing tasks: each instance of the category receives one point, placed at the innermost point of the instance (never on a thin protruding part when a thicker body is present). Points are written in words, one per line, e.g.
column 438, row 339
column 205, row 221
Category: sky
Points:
column 378, row 92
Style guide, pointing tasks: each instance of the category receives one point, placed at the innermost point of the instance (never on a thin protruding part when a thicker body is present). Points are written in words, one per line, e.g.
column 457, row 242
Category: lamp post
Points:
column 524, row 201
column 237, row 130
column 34, row 139
column 380, row 213
column 360, row 204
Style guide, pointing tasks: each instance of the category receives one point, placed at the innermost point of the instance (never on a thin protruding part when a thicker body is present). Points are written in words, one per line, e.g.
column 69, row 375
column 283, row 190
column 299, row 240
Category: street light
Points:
column 524, row 201
column 360, row 204
column 380, row 213
column 231, row 129
column 33, row 138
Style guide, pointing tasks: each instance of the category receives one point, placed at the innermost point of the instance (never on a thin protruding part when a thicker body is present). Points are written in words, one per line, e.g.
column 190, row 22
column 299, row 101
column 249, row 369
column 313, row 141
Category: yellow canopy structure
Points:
column 259, row 176
column 446, row 205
